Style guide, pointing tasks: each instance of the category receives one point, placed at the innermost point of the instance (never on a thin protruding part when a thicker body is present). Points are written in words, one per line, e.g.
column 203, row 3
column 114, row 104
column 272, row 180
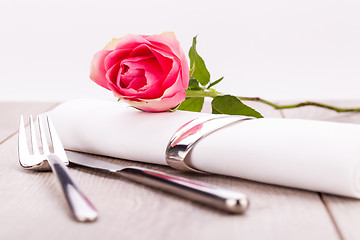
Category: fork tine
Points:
column 44, row 142
column 34, row 144
column 81, row 208
column 56, row 142
column 23, row 149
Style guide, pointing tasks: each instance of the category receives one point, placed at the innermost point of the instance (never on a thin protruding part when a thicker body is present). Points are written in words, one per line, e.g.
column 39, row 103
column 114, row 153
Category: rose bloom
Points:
column 150, row 72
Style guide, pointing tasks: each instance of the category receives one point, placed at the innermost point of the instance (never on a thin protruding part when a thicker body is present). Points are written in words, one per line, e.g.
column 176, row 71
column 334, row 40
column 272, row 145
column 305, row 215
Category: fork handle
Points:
column 81, row 208
column 229, row 201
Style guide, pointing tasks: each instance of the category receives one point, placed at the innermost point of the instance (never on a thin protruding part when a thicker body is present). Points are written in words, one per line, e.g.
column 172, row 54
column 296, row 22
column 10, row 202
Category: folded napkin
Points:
column 313, row 155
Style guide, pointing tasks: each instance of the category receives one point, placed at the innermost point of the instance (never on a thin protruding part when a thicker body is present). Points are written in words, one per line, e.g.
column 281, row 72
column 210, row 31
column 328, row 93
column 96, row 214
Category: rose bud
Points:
column 150, row 72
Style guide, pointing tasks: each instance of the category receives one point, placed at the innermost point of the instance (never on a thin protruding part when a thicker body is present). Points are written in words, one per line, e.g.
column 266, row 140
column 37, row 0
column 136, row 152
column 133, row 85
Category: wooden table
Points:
column 32, row 207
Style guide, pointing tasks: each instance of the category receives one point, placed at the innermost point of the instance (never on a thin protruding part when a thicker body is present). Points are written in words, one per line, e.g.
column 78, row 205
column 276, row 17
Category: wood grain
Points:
column 32, row 206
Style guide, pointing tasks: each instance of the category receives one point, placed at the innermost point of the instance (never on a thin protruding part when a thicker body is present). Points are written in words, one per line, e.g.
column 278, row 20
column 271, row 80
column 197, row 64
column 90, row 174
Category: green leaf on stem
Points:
column 232, row 105
column 193, row 84
column 191, row 71
column 214, row 83
column 200, row 72
column 192, row 104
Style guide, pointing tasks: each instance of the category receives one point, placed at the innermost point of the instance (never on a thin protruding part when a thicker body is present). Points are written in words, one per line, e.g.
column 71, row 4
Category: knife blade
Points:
column 219, row 198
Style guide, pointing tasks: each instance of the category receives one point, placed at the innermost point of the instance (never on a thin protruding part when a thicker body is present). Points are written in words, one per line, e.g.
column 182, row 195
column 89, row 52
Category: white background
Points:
column 276, row 49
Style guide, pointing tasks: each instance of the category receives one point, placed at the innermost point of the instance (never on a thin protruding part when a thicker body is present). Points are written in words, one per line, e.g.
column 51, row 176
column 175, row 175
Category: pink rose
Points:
column 150, row 72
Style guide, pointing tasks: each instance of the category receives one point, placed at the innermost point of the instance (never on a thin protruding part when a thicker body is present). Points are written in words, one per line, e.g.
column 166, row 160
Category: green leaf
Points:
column 193, row 84
column 214, row 83
column 232, row 105
column 200, row 72
column 191, row 71
column 192, row 104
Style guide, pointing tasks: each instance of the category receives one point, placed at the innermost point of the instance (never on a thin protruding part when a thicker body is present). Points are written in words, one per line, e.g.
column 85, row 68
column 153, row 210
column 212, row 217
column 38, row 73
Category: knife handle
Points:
column 229, row 201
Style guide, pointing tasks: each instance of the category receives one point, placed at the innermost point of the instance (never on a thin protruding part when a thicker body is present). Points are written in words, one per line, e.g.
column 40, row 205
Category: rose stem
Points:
column 212, row 93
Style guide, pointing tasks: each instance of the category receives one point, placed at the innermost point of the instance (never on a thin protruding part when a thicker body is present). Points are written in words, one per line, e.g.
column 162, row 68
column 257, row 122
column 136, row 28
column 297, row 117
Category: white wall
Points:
column 275, row 49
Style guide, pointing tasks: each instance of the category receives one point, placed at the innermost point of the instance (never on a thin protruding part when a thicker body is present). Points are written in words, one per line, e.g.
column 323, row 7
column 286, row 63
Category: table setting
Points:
column 121, row 200
column 141, row 136
column 228, row 166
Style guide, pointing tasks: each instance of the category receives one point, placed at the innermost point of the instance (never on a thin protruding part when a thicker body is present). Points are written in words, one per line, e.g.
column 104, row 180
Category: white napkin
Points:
column 312, row 155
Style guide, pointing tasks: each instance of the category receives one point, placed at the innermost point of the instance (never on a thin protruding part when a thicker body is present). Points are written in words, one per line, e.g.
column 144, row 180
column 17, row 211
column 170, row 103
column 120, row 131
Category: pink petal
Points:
column 175, row 88
column 170, row 40
column 172, row 77
column 184, row 70
column 165, row 59
column 97, row 69
column 131, row 41
column 141, row 50
column 160, row 105
column 151, row 67
column 166, row 40
column 133, row 78
column 114, row 57
column 112, row 73
column 137, row 83
column 117, row 93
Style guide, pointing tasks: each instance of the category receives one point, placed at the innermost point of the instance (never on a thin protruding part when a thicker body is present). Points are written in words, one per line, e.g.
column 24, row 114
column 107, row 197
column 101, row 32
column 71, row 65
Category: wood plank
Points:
column 344, row 211
column 127, row 210
column 10, row 114
column 131, row 211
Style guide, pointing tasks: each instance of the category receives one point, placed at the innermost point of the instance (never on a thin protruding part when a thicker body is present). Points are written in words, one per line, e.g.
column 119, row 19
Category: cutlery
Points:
column 55, row 160
column 222, row 199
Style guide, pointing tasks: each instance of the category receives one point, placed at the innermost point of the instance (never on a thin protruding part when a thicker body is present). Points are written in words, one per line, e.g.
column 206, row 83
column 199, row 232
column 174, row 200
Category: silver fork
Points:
column 54, row 159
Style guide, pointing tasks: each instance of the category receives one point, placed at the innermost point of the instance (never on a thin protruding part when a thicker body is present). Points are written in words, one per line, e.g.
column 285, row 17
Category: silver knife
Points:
column 222, row 199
